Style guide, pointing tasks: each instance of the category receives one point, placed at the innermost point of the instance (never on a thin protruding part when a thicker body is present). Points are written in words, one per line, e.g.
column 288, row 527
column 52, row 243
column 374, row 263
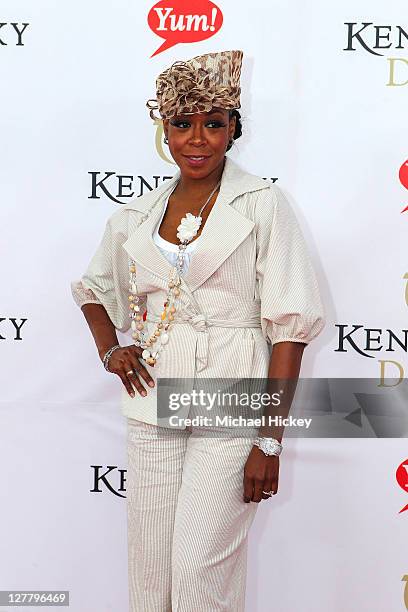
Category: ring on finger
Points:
column 268, row 492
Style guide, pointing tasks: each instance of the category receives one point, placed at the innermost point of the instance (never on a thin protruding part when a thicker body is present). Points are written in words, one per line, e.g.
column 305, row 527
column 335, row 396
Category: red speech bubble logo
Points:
column 403, row 177
column 183, row 21
column 402, row 479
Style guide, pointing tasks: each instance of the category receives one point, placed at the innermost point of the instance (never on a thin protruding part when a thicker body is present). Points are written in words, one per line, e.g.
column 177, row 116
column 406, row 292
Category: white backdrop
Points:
column 319, row 119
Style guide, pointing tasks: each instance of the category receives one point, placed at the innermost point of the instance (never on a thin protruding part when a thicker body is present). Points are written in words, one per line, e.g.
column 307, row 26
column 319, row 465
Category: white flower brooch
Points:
column 188, row 227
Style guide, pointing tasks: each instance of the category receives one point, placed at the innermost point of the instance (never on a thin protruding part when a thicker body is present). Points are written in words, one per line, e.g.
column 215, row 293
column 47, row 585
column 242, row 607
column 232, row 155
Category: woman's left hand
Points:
column 261, row 473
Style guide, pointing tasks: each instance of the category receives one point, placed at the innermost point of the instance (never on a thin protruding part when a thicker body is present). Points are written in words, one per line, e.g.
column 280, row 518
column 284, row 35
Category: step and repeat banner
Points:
column 324, row 106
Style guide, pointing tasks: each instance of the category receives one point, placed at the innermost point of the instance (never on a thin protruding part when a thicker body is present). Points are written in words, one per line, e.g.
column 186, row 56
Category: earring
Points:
column 165, row 140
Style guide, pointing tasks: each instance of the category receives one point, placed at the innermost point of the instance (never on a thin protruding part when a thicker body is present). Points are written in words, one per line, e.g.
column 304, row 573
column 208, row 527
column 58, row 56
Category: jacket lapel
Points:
column 140, row 244
column 224, row 230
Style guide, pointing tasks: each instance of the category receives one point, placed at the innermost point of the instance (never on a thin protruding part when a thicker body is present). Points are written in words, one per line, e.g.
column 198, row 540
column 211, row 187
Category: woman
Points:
column 206, row 272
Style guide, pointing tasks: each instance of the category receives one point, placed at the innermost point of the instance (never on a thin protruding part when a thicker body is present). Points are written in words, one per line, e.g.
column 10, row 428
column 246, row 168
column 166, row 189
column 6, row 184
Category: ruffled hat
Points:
column 199, row 84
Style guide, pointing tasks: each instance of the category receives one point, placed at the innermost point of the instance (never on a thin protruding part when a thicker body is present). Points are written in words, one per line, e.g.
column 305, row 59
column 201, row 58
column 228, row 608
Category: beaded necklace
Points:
column 188, row 228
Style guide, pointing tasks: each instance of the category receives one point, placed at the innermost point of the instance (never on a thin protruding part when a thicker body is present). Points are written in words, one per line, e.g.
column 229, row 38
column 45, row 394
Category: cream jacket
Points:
column 250, row 284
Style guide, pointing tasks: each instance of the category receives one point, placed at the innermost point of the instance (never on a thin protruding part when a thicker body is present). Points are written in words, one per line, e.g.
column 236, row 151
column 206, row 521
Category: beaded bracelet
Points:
column 107, row 356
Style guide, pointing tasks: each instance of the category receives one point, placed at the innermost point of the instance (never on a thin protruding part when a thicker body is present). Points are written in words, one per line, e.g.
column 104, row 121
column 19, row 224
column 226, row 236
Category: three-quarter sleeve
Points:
column 82, row 295
column 291, row 306
column 106, row 280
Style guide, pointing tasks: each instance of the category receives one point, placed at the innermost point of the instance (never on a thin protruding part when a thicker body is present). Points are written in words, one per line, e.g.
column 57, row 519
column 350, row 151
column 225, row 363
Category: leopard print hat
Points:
column 198, row 85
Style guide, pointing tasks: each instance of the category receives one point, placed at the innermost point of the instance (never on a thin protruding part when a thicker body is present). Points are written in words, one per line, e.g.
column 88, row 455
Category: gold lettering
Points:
column 382, row 363
column 405, row 579
column 392, row 81
column 159, row 142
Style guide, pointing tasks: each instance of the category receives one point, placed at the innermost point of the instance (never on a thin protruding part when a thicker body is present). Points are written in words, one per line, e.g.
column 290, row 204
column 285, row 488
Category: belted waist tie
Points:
column 201, row 323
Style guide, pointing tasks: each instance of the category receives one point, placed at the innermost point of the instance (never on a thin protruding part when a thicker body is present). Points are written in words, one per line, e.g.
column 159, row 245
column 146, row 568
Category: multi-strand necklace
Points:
column 153, row 344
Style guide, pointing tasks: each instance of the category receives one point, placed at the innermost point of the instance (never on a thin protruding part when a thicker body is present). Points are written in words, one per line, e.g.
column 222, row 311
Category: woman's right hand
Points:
column 125, row 363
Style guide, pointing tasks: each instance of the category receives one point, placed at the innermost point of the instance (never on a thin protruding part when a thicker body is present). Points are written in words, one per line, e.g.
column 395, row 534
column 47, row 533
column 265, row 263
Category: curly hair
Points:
column 238, row 125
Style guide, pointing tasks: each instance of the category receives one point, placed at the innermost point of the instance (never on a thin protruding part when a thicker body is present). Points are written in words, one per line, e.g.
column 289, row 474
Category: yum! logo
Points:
column 403, row 177
column 183, row 21
column 402, row 479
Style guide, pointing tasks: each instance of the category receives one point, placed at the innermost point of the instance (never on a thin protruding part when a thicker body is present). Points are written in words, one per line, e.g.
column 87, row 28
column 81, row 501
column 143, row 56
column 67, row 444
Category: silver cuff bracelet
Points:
column 269, row 446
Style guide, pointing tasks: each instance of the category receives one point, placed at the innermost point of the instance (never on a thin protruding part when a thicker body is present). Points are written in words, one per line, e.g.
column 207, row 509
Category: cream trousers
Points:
column 187, row 521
